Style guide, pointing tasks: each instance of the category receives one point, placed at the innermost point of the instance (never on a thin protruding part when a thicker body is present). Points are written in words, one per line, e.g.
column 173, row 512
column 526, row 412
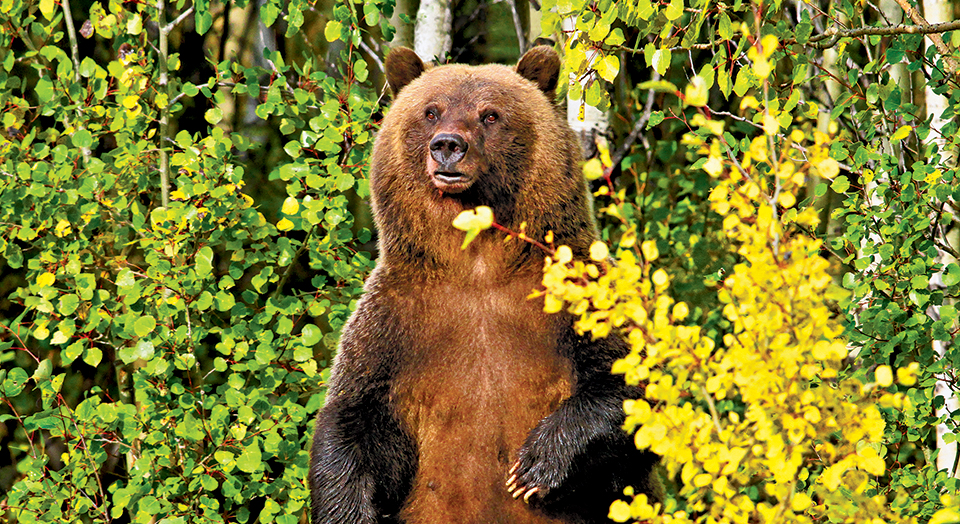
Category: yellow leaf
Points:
column 62, row 228
column 660, row 278
column 713, row 166
column 290, row 206
column 674, row 10
column 884, row 376
column 680, row 311
column 945, row 516
column 608, row 67
column 46, row 279
column 47, row 7
column 479, row 218
column 828, row 168
column 552, row 304
column 901, row 133
column 702, row 480
column 619, row 511
column 284, row 225
column 593, row 169
column 696, row 93
column 770, row 124
column 800, row 502
column 908, row 376
column 599, row 251
column 649, row 250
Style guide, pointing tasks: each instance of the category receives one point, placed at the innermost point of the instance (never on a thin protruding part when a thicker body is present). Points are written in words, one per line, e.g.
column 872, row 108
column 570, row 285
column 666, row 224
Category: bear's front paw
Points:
column 536, row 474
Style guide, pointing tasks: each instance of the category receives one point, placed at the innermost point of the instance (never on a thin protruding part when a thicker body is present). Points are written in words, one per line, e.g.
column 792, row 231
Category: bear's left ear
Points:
column 402, row 67
column 541, row 65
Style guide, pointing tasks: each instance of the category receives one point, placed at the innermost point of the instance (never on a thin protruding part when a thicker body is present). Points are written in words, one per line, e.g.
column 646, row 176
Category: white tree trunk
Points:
column 939, row 11
column 431, row 36
column 404, row 35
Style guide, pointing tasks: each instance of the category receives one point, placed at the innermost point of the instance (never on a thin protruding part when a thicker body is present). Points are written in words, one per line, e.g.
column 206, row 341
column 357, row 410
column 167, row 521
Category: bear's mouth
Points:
column 451, row 182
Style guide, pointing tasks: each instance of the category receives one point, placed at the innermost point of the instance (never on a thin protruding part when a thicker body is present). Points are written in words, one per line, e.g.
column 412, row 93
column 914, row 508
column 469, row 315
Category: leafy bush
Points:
column 162, row 363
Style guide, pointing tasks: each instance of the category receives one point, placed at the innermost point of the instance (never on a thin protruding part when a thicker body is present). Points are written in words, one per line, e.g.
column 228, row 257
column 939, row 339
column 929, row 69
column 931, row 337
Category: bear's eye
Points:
column 491, row 118
column 431, row 115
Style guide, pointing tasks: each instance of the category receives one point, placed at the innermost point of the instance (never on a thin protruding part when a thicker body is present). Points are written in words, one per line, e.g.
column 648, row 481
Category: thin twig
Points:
column 518, row 26
column 75, row 56
column 169, row 27
column 637, row 128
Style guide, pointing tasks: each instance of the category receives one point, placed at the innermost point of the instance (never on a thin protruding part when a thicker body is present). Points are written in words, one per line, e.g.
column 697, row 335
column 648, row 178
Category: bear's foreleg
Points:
column 362, row 462
column 360, row 466
column 584, row 433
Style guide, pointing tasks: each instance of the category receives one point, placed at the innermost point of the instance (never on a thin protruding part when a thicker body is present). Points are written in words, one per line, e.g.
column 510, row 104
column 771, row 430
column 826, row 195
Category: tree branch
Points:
column 518, row 26
column 933, row 35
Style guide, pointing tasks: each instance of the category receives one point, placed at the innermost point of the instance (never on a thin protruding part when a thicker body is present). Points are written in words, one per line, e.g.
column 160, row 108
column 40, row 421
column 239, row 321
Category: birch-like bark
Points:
column 938, row 11
column 431, row 36
column 404, row 31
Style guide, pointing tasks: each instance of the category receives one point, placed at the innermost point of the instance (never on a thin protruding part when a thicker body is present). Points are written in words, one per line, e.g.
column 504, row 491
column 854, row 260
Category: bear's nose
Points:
column 448, row 149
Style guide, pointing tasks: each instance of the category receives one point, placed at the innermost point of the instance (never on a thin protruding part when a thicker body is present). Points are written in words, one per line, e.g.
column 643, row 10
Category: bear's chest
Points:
column 483, row 370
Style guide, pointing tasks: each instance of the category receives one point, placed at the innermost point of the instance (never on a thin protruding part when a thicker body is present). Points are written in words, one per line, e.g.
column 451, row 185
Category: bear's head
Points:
column 460, row 136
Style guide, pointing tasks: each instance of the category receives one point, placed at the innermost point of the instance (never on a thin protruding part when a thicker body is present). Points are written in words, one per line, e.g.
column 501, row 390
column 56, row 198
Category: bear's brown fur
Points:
column 454, row 398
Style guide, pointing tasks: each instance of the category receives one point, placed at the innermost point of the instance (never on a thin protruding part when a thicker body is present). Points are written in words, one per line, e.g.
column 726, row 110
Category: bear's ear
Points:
column 541, row 65
column 403, row 66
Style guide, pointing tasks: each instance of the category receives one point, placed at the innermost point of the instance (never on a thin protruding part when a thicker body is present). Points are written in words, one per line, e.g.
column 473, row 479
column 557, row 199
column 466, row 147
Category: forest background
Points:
column 184, row 232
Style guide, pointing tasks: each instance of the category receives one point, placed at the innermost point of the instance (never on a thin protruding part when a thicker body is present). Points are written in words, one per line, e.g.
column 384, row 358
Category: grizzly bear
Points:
column 453, row 397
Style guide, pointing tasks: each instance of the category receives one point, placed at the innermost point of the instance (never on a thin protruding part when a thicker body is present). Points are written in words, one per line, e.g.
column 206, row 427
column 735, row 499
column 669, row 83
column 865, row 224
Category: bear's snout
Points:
column 448, row 149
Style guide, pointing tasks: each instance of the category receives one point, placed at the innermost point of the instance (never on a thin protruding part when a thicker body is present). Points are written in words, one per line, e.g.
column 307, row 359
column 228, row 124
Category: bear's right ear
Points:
column 541, row 65
column 402, row 66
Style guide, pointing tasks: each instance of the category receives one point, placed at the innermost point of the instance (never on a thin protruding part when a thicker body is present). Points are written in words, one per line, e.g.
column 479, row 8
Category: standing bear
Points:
column 454, row 398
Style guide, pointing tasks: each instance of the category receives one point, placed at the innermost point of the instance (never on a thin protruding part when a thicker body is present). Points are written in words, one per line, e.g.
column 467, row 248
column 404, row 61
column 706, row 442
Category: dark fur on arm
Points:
column 362, row 461
column 581, row 447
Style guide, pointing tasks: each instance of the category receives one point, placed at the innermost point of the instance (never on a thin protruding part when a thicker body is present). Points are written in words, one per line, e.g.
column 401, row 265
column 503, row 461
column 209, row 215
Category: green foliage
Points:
column 167, row 349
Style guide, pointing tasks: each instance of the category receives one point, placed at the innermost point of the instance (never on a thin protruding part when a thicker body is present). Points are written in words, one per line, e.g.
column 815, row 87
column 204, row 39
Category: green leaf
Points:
column 656, row 117
column 674, row 10
column 203, row 21
column 92, row 356
column 951, row 275
column 919, row 282
column 332, row 31
column 840, row 184
column 251, row 458
column 68, row 304
column 204, row 261
column 82, row 138
column 948, row 313
column 311, row 335
column 43, row 370
column 143, row 350
column 213, row 115
column 661, row 86
column 144, row 325
column 14, row 382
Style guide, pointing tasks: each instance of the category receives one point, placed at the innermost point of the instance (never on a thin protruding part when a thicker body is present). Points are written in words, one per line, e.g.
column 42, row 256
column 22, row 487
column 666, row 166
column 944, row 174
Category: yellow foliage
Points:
column 804, row 441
